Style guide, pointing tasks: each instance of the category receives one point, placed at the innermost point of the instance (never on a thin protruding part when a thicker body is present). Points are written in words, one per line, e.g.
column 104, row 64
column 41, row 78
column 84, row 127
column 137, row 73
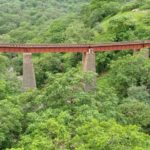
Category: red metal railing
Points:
column 43, row 48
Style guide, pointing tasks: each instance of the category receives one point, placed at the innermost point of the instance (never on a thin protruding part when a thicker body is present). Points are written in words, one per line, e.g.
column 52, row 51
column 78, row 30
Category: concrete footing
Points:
column 29, row 81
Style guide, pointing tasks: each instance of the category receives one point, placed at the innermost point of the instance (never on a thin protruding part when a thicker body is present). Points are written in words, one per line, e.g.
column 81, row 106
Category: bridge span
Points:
column 88, row 51
column 44, row 48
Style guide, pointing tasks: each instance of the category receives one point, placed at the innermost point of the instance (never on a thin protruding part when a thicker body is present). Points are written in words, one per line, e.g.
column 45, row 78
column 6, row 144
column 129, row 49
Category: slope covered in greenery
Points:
column 59, row 114
column 96, row 21
column 24, row 21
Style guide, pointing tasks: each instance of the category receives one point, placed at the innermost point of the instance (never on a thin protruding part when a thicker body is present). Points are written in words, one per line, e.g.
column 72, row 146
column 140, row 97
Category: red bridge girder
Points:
column 36, row 48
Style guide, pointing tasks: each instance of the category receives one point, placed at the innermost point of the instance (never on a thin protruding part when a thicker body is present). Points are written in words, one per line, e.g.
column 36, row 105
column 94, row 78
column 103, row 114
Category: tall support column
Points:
column 29, row 81
column 89, row 66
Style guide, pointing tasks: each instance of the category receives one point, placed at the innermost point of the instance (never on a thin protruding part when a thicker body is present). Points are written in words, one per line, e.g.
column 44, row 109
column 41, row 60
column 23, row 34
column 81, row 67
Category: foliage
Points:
column 59, row 114
column 139, row 92
column 109, row 135
column 135, row 112
column 129, row 71
column 96, row 11
column 122, row 28
column 10, row 123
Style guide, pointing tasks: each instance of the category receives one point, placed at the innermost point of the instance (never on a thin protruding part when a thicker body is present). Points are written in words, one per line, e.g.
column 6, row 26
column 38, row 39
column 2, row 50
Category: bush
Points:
column 129, row 71
column 96, row 135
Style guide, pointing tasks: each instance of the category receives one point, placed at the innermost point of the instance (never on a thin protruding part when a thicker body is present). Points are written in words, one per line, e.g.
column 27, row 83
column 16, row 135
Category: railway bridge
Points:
column 88, row 51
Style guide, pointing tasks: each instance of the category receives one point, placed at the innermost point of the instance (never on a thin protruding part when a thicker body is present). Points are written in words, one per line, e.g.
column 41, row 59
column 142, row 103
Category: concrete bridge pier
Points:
column 135, row 51
column 145, row 52
column 89, row 65
column 29, row 81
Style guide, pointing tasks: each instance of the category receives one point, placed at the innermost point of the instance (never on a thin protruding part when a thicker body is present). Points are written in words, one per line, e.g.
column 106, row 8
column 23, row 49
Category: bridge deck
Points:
column 43, row 48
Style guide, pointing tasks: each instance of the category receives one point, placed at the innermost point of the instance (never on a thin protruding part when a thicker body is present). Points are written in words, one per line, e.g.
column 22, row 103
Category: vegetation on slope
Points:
column 60, row 114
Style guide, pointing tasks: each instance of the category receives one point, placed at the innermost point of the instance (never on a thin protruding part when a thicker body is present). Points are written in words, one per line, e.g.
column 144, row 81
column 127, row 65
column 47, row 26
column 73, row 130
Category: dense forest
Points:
column 60, row 114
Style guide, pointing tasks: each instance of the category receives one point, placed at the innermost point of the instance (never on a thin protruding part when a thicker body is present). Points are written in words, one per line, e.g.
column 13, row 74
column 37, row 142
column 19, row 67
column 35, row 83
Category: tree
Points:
column 10, row 123
column 132, row 111
column 122, row 28
column 108, row 135
column 130, row 71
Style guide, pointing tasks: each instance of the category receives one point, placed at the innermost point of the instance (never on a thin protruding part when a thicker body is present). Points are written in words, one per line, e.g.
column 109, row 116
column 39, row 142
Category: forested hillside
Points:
column 24, row 21
column 66, row 21
column 59, row 114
